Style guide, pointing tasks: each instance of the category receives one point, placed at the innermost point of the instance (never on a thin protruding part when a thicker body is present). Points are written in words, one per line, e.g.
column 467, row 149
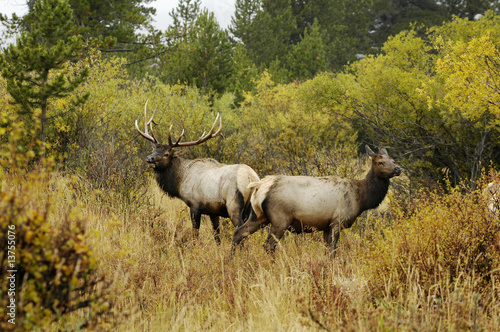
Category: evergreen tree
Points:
column 243, row 20
column 391, row 17
column 273, row 28
column 201, row 55
column 32, row 66
column 469, row 8
column 344, row 27
column 309, row 56
column 99, row 19
column 213, row 59
column 184, row 16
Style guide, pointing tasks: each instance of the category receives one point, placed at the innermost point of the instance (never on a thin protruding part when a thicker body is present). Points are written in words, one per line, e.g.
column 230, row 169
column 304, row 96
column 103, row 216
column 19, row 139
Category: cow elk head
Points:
column 383, row 165
column 163, row 153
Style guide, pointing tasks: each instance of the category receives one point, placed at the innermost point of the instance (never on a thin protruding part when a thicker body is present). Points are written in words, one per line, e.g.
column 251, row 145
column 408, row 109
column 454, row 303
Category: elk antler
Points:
column 145, row 134
column 203, row 137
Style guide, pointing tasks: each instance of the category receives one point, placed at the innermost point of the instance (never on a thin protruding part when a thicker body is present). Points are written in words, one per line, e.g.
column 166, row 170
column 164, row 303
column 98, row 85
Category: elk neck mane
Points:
column 372, row 190
column 170, row 177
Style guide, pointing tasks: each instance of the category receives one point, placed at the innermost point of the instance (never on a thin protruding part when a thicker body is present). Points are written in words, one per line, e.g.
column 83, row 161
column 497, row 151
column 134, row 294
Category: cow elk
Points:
column 205, row 185
column 307, row 204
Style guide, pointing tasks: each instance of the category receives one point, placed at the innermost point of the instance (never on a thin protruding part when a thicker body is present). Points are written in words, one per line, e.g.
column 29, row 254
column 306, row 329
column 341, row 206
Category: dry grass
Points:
column 166, row 280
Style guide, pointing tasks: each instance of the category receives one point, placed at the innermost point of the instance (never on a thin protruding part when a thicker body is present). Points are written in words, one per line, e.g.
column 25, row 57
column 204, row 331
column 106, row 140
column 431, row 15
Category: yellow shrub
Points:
column 443, row 241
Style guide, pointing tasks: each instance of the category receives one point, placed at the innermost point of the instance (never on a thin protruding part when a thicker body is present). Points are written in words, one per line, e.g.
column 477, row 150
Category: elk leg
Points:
column 327, row 236
column 333, row 238
column 275, row 234
column 215, row 224
column 252, row 225
column 235, row 214
column 235, row 209
column 196, row 220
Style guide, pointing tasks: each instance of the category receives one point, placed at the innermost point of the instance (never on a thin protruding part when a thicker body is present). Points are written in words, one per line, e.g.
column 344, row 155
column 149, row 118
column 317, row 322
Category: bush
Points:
column 443, row 242
column 55, row 269
column 48, row 270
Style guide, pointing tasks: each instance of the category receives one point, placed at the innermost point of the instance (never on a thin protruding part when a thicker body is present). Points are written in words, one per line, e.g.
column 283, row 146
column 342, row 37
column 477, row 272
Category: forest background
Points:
column 301, row 86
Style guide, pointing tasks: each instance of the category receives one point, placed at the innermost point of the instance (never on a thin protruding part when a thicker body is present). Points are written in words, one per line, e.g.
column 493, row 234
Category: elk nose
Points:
column 398, row 170
column 149, row 159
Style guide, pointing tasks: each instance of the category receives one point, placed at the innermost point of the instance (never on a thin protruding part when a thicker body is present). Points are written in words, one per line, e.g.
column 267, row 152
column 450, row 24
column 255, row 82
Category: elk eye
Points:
column 381, row 163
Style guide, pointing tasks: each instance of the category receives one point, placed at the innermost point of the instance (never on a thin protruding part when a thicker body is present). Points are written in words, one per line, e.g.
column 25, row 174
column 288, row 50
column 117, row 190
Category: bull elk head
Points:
column 162, row 153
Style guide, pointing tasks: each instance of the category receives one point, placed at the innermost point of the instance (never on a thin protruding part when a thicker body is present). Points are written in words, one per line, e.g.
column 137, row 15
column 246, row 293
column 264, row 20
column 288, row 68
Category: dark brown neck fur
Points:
column 372, row 190
column 169, row 178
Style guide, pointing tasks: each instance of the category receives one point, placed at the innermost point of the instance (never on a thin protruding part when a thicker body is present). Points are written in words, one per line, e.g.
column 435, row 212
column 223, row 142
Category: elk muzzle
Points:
column 397, row 171
column 151, row 161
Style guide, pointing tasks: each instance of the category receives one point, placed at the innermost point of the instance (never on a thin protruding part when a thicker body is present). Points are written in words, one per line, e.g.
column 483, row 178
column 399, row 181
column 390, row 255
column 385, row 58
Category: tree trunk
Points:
column 43, row 123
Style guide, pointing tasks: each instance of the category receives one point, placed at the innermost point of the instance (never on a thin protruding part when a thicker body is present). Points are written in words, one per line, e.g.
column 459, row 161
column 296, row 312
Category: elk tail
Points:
column 259, row 194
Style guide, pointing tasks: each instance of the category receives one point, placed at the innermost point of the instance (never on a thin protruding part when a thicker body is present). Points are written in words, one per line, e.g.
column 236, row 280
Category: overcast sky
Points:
column 222, row 9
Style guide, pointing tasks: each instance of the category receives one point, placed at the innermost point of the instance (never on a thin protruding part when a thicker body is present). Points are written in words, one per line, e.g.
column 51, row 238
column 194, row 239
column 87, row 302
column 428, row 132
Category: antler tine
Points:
column 150, row 122
column 179, row 139
column 145, row 134
column 219, row 131
column 170, row 135
column 204, row 137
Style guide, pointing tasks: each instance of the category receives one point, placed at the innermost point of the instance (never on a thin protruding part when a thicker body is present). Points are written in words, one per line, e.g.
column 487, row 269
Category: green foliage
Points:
column 54, row 269
column 99, row 136
column 344, row 25
column 116, row 19
column 470, row 67
column 33, row 67
column 413, row 96
column 199, row 54
column 284, row 131
column 241, row 22
column 273, row 27
column 308, row 58
column 185, row 15
column 392, row 17
column 470, row 8
column 441, row 242
column 244, row 75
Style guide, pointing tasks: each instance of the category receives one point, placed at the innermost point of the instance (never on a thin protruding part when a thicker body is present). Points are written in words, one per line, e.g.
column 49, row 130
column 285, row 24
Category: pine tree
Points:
column 184, row 16
column 201, row 55
column 309, row 56
column 118, row 19
column 242, row 21
column 32, row 66
column 274, row 28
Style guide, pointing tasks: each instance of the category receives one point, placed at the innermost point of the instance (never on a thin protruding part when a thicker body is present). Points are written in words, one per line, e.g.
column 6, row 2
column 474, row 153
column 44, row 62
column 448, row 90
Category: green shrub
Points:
column 48, row 269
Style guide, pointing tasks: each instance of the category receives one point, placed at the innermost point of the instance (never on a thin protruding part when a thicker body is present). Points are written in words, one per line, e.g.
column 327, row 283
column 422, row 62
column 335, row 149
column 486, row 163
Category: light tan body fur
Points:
column 206, row 186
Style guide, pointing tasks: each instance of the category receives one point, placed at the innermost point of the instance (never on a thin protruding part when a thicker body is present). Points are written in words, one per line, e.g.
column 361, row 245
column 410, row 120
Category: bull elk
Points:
column 205, row 185
column 306, row 204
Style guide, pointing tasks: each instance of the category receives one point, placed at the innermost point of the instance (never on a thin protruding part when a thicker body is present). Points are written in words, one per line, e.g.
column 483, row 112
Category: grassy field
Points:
column 394, row 271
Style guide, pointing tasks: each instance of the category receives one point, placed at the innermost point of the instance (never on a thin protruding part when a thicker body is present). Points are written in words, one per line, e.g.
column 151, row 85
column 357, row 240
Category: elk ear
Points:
column 369, row 151
column 383, row 151
column 168, row 151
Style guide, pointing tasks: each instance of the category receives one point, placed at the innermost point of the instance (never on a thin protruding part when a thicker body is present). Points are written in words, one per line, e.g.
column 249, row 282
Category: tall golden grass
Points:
column 168, row 280
column 428, row 263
